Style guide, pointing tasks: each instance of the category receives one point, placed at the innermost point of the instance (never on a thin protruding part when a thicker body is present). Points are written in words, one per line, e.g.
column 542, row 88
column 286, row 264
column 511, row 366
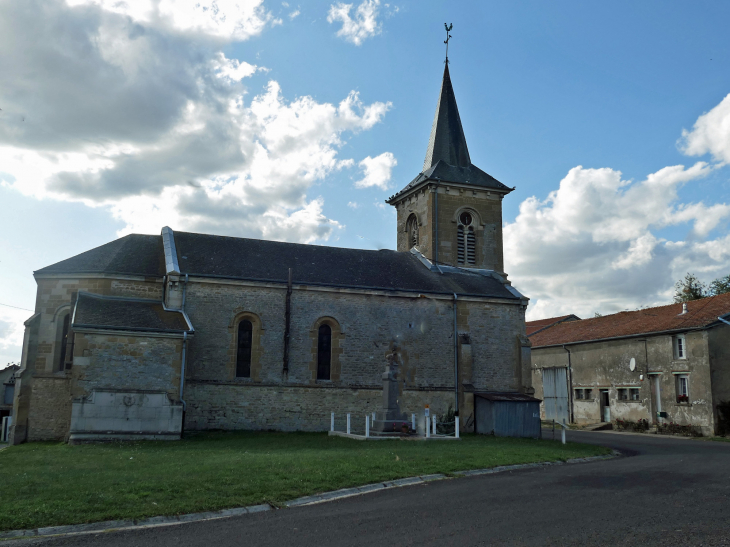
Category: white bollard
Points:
column 332, row 422
column 367, row 426
column 433, row 418
column 456, row 427
column 562, row 434
column 428, row 428
column 413, row 422
column 348, row 423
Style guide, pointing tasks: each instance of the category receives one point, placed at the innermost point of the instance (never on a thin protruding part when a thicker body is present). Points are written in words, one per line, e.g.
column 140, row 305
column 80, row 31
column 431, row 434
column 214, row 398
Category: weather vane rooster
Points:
column 448, row 36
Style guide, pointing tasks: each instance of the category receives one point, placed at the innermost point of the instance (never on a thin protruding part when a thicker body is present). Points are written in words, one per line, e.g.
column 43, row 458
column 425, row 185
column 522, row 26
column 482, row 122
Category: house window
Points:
column 623, row 394
column 579, row 394
column 680, row 347
column 64, row 343
column 466, row 243
column 682, row 388
column 324, row 352
column 588, row 394
column 9, row 392
column 634, row 394
column 243, row 351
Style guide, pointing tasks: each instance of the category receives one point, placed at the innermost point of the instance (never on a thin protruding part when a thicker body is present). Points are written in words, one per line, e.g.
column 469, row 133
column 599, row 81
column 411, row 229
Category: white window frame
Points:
column 682, row 381
column 679, row 342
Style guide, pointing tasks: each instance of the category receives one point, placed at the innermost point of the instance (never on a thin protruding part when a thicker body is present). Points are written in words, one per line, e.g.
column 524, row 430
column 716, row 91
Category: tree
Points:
column 689, row 288
column 721, row 285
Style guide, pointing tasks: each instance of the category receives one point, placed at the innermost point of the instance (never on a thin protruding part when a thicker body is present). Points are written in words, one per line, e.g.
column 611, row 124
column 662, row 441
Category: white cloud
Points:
column 592, row 245
column 377, row 171
column 11, row 334
column 364, row 24
column 294, row 14
column 145, row 121
column 353, row 204
column 710, row 134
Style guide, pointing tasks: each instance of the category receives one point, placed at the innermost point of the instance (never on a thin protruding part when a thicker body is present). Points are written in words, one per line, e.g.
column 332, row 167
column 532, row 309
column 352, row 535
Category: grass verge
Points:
column 47, row 484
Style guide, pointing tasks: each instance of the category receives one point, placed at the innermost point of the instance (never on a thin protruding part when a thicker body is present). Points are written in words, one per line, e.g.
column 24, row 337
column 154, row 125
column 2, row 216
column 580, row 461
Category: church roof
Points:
column 269, row 261
column 447, row 156
column 113, row 313
column 261, row 260
column 134, row 254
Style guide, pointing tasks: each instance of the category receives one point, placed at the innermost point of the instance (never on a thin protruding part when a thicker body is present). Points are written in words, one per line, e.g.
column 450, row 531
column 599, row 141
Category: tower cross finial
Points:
column 448, row 36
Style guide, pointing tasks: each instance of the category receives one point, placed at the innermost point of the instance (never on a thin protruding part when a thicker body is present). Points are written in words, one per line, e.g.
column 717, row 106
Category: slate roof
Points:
column 534, row 326
column 261, row 260
column 700, row 314
column 447, row 156
column 134, row 254
column 105, row 312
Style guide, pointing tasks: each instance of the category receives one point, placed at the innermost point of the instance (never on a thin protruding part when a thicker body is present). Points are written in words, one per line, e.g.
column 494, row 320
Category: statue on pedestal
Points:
column 390, row 418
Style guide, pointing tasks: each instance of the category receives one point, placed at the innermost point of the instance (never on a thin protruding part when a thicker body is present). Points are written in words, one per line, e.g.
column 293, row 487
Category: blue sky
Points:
column 235, row 119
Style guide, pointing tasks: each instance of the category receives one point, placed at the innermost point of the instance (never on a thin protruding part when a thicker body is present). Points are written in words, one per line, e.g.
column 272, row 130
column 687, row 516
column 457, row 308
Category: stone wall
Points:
column 370, row 325
column 451, row 201
column 605, row 365
column 49, row 413
column 108, row 361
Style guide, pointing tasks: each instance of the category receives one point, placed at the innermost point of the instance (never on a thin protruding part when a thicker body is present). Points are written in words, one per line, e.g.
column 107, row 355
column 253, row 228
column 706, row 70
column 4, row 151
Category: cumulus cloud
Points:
column 131, row 113
column 377, row 171
column 710, row 134
column 11, row 334
column 361, row 25
column 593, row 244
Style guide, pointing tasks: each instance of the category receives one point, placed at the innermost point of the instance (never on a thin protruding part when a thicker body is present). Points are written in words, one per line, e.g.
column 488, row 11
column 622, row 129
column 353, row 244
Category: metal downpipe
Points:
column 456, row 364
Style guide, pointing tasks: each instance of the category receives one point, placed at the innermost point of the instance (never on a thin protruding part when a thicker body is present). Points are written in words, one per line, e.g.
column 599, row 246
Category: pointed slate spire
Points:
column 447, row 140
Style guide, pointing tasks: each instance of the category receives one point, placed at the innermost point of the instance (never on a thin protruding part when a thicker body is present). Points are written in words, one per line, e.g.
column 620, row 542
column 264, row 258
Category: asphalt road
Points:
column 664, row 492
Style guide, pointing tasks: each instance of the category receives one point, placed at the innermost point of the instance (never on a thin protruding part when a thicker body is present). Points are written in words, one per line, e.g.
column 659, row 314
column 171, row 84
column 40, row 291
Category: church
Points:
column 149, row 336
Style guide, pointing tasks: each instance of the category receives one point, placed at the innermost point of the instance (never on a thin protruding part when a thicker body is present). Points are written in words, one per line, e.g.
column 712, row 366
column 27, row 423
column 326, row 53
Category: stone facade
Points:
column 605, row 366
column 484, row 205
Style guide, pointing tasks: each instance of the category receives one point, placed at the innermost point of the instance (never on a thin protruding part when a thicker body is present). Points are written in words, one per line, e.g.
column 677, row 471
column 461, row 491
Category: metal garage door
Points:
column 555, row 394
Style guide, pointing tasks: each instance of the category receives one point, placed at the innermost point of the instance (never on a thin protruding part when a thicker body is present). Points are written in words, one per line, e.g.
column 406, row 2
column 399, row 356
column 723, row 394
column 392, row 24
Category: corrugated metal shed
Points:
column 507, row 415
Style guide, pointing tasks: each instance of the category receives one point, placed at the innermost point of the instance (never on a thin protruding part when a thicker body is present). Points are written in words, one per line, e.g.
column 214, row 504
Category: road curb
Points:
column 153, row 522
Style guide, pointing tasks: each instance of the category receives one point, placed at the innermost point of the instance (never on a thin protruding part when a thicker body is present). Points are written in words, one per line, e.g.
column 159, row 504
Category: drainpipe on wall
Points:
column 287, row 323
column 182, row 365
column 570, row 386
column 456, row 365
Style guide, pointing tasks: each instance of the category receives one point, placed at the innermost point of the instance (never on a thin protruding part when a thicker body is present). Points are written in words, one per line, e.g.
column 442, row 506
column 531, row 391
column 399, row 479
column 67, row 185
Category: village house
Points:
column 665, row 365
column 151, row 334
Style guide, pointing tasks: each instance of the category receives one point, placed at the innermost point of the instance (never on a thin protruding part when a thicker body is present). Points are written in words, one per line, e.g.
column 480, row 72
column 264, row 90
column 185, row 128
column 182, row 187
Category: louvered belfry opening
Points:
column 466, row 240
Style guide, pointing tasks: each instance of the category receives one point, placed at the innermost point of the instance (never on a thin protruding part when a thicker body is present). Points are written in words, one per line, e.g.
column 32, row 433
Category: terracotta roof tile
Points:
column 700, row 313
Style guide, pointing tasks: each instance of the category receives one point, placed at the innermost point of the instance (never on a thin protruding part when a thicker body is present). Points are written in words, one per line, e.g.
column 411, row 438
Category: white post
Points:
column 332, row 422
column 413, row 422
column 348, row 423
column 373, row 417
column 367, row 426
column 562, row 434
column 456, row 426
column 433, row 419
column 428, row 427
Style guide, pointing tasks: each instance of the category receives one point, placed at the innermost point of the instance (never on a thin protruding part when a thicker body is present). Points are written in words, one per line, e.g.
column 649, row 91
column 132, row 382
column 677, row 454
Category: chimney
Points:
column 684, row 308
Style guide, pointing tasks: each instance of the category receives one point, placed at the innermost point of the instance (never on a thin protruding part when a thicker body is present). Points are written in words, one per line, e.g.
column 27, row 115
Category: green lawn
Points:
column 46, row 484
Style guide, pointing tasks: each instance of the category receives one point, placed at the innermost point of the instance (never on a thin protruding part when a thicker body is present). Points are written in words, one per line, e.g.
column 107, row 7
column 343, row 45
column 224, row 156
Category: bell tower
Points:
column 452, row 211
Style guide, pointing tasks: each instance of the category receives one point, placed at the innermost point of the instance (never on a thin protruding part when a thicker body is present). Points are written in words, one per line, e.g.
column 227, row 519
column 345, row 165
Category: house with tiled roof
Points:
column 150, row 335
column 668, row 364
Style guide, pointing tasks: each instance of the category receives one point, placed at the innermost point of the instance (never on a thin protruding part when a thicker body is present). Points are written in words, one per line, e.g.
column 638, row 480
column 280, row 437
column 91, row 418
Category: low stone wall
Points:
column 295, row 408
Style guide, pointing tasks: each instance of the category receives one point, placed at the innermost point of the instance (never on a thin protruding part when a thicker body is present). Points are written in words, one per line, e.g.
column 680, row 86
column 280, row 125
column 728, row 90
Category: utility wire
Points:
column 16, row 307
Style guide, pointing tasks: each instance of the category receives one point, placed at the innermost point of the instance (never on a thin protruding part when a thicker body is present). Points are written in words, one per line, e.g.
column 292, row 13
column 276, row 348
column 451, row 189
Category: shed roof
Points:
column 114, row 313
column 700, row 314
column 508, row 397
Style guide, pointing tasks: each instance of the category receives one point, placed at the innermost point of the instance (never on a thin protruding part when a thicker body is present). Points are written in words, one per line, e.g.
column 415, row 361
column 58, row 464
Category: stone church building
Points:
column 151, row 334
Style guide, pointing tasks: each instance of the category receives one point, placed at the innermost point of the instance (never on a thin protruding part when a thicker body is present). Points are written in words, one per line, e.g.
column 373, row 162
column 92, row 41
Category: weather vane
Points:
column 448, row 36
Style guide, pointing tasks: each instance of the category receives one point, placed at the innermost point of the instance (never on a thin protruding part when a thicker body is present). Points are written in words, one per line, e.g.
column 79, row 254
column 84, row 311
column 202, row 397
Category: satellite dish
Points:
column 632, row 364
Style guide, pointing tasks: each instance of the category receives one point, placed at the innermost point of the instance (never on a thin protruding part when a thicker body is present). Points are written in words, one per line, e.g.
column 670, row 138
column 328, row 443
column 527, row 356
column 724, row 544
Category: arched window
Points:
column 243, row 350
column 412, row 230
column 324, row 352
column 64, row 343
column 466, row 241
